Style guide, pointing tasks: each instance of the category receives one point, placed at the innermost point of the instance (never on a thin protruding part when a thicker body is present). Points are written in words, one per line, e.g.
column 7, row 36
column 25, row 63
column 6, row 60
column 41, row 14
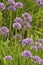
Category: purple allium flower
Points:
column 2, row 6
column 35, row 59
column 19, row 5
column 26, row 16
column 11, row 2
column 41, row 47
column 18, row 19
column 27, row 54
column 41, row 3
column 26, row 25
column 27, row 41
column 11, row 7
column 17, row 25
column 18, row 36
column 38, row 44
column 40, row 61
column 4, row 30
column 40, row 40
column 8, row 57
column 34, row 48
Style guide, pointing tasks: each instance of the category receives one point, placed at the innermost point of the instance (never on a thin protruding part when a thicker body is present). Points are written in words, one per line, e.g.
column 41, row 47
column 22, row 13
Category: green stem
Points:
column 0, row 18
column 10, row 20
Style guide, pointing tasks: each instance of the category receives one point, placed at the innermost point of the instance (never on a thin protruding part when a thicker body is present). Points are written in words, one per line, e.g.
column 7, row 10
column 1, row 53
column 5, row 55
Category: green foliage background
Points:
column 15, row 49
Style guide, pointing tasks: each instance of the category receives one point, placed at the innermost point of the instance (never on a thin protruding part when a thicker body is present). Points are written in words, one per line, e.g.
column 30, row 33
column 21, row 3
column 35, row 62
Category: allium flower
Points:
column 18, row 19
column 27, row 41
column 34, row 48
column 35, row 59
column 11, row 8
column 2, row 6
column 18, row 36
column 8, row 57
column 27, row 54
column 40, row 40
column 38, row 44
column 40, row 61
column 41, row 47
column 26, row 25
column 26, row 16
column 41, row 3
column 17, row 25
column 4, row 30
column 19, row 5
column 11, row 2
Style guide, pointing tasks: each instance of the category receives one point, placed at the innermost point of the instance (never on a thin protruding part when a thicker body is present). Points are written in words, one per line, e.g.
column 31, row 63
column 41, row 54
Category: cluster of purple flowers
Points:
column 23, row 22
column 37, row 46
column 27, row 19
column 36, row 59
column 12, row 5
column 39, row 2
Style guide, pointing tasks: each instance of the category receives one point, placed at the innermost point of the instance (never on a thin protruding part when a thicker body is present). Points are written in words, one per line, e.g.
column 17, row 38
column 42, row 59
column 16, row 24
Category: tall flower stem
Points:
column 0, row 18
column 10, row 20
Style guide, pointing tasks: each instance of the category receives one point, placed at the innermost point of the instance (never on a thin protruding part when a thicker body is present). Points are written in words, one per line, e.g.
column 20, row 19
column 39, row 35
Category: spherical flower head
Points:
column 38, row 44
column 12, row 8
column 4, row 30
column 40, row 61
column 18, row 19
column 27, row 41
column 26, row 16
column 27, row 54
column 11, row 2
column 8, row 57
column 35, row 59
column 2, row 6
column 19, row 5
column 17, row 25
column 40, row 40
column 41, row 47
column 18, row 36
column 34, row 48
column 26, row 25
